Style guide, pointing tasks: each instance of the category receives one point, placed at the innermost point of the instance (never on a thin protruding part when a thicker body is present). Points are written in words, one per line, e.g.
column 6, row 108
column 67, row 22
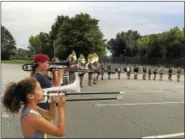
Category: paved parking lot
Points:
column 148, row 108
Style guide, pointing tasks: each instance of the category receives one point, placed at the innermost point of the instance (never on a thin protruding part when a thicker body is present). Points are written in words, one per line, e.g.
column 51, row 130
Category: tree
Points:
column 22, row 53
column 124, row 43
column 8, row 44
column 46, row 45
column 35, row 45
column 81, row 34
column 60, row 20
column 41, row 43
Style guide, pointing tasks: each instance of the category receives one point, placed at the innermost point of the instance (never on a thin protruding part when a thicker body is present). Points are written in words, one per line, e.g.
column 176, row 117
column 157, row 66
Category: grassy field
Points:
column 16, row 61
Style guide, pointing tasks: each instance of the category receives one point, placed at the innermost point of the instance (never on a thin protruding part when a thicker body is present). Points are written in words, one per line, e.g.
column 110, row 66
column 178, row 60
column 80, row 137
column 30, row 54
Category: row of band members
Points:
column 99, row 72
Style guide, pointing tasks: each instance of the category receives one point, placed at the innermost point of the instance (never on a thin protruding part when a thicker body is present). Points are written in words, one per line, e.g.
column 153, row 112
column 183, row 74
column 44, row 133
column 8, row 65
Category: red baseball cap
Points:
column 40, row 58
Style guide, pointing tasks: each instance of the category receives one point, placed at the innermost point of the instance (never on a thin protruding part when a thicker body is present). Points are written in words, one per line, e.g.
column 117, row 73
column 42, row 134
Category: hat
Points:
column 40, row 58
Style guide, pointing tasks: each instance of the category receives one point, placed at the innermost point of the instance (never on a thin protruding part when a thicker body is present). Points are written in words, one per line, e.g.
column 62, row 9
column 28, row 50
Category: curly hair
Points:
column 15, row 93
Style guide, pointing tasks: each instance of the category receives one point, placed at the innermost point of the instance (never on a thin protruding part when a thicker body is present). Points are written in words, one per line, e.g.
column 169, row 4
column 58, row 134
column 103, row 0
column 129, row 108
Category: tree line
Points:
column 82, row 34
column 154, row 47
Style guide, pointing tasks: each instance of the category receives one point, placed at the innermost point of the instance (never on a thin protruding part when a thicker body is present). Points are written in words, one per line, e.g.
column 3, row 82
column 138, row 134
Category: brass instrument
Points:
column 75, row 87
column 69, row 64
column 72, row 57
column 81, row 61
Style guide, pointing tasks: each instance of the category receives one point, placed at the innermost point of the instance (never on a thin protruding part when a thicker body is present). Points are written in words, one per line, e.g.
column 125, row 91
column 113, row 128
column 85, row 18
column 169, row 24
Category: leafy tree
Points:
column 21, row 53
column 81, row 34
column 8, row 44
column 124, row 43
column 35, row 45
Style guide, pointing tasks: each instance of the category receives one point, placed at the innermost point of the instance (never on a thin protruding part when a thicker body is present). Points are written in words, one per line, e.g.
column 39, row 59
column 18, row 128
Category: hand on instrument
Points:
column 62, row 101
column 53, row 99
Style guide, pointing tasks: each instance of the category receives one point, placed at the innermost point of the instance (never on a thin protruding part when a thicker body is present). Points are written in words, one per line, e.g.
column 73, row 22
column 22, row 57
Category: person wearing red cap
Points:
column 40, row 67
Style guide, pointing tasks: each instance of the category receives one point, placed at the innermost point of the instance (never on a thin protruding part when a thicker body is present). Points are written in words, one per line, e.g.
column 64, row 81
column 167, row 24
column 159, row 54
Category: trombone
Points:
column 75, row 86
column 70, row 64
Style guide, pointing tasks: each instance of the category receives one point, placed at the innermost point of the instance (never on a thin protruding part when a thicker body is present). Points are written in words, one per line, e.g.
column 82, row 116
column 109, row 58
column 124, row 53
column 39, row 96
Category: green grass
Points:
column 16, row 61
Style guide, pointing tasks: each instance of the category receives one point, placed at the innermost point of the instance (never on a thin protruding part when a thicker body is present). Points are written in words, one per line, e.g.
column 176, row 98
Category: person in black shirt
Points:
column 149, row 73
column 155, row 73
column 98, row 70
column 178, row 74
column 144, row 73
column 90, row 74
column 136, row 69
column 71, row 73
column 170, row 73
column 109, row 71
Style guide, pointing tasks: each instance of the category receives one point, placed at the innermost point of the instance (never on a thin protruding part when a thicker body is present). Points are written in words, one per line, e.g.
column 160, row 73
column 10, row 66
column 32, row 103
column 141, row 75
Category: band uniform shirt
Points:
column 45, row 82
column 170, row 71
column 135, row 69
column 128, row 69
column 109, row 69
column 144, row 69
column 161, row 71
column 178, row 71
column 155, row 70
column 150, row 71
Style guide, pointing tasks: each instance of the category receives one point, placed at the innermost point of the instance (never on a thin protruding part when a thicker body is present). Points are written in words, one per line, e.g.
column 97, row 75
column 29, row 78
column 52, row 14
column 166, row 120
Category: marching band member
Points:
column 94, row 73
column 102, row 71
column 40, row 67
column 82, row 62
column 155, row 73
column 90, row 74
column 71, row 73
column 109, row 71
column 98, row 69
column 178, row 74
column 34, row 120
column 135, row 72
column 144, row 72
column 161, row 71
column 94, row 77
column 149, row 72
column 119, row 72
column 128, row 71
column 170, row 70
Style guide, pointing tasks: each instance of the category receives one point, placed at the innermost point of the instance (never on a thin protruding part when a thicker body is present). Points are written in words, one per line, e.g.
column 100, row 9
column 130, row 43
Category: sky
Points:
column 24, row 19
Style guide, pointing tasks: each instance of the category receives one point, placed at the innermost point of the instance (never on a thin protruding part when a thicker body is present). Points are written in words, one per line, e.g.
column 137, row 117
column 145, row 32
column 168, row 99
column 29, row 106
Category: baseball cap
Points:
column 40, row 58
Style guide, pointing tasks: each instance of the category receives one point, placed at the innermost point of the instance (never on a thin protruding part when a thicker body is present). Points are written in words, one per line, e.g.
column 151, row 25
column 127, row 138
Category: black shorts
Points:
column 81, row 74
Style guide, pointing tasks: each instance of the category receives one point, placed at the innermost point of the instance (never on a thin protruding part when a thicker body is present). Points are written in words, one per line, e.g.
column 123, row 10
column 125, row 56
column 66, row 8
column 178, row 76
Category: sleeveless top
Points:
column 38, row 134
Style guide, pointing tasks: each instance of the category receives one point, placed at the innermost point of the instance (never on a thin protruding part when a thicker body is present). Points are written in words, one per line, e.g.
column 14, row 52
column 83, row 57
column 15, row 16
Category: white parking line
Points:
column 180, row 86
column 165, row 136
column 145, row 91
column 137, row 104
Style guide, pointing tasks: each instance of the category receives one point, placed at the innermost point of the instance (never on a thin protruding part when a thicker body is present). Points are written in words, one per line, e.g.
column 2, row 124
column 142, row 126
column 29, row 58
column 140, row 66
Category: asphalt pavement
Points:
column 148, row 108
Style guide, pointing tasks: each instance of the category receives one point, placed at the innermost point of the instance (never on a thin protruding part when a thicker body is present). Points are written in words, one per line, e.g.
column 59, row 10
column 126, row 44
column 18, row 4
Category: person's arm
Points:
column 41, row 124
column 48, row 114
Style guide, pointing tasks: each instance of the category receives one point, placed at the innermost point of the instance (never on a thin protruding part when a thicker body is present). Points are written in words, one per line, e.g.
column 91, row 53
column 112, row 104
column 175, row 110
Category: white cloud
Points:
column 24, row 19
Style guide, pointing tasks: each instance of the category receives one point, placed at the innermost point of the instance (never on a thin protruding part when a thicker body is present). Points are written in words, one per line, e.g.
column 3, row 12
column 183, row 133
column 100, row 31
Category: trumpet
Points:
column 75, row 86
